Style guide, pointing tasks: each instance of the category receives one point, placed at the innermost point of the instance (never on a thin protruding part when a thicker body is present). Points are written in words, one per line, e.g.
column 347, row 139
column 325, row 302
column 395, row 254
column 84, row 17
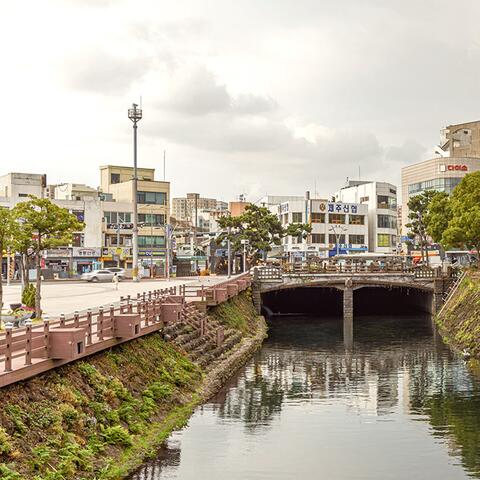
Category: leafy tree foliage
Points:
column 418, row 208
column 463, row 228
column 438, row 216
column 260, row 227
column 44, row 225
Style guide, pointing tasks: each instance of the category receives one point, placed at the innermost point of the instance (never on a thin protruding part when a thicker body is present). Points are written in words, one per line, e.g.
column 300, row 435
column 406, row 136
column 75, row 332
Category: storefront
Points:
column 153, row 261
column 116, row 256
column 86, row 259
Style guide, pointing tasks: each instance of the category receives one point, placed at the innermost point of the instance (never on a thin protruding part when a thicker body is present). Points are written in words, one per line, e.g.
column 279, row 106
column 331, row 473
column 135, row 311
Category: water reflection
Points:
column 396, row 405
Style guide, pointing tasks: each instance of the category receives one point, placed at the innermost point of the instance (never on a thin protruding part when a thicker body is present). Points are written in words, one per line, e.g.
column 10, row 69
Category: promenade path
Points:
column 66, row 297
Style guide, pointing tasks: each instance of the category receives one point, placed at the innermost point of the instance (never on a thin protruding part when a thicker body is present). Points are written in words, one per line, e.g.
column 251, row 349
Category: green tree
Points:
column 438, row 216
column 5, row 241
column 22, row 244
column 49, row 226
column 463, row 229
column 418, row 209
column 260, row 227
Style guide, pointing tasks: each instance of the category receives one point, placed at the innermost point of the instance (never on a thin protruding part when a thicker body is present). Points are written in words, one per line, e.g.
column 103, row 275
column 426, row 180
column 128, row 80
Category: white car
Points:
column 98, row 276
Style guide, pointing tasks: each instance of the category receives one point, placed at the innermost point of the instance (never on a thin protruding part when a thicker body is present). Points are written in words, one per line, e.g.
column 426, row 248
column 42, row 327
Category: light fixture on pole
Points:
column 135, row 115
column 244, row 242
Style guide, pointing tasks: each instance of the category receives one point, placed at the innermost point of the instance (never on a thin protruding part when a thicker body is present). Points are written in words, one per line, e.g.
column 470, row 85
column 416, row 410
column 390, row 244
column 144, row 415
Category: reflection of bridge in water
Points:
column 351, row 293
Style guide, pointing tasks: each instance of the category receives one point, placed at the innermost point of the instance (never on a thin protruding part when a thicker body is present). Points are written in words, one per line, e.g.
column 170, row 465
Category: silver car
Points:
column 119, row 271
column 98, row 276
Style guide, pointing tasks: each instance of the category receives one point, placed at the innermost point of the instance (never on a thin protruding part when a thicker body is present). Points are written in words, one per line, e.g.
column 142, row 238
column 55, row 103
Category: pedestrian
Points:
column 115, row 280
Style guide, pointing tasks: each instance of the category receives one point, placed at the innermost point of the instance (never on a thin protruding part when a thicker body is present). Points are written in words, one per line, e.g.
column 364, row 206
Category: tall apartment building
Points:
column 381, row 201
column 184, row 208
column 457, row 155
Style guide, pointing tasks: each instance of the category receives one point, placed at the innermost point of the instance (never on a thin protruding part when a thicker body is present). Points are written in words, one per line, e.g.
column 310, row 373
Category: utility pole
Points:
column 229, row 254
column 135, row 115
column 8, row 266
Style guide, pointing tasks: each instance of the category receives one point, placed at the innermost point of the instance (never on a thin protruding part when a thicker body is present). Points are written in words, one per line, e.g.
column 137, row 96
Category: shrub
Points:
column 117, row 435
column 5, row 445
column 28, row 295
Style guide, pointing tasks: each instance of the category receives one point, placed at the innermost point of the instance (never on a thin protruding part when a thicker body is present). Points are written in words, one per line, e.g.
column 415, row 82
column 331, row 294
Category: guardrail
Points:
column 272, row 273
column 33, row 349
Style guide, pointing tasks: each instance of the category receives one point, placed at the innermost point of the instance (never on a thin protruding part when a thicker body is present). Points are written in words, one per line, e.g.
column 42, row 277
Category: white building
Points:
column 381, row 200
column 16, row 187
column 336, row 227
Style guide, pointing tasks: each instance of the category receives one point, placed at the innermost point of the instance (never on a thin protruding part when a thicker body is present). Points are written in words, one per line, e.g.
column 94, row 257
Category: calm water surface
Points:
column 398, row 405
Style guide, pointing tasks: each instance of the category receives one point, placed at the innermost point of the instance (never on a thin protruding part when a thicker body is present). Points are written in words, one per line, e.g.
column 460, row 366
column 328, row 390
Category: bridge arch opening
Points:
column 323, row 301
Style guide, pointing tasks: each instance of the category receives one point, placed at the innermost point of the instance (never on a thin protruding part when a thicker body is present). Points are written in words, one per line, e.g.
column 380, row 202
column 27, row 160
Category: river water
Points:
column 397, row 405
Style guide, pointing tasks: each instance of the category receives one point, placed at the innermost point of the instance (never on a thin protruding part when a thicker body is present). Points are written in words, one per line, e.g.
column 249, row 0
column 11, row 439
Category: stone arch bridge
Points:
column 425, row 289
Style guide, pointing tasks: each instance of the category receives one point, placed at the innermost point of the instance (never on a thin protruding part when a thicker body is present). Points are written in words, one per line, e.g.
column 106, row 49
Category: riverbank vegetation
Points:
column 101, row 417
column 459, row 322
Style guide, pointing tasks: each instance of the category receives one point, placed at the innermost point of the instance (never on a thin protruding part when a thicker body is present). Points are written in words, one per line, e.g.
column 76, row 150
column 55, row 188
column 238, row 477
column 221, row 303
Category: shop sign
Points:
column 342, row 208
column 86, row 252
column 453, row 168
column 56, row 252
column 122, row 252
column 151, row 252
column 120, row 226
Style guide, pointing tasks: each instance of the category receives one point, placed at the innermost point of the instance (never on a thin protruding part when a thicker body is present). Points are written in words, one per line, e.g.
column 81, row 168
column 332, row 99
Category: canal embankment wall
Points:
column 459, row 319
column 101, row 417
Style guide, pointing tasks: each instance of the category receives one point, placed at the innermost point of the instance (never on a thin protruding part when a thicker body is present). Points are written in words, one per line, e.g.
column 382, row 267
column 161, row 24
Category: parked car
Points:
column 119, row 271
column 98, row 276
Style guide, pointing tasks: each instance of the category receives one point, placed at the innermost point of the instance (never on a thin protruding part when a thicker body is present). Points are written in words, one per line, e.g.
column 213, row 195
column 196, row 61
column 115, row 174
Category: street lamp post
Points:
column 135, row 115
column 229, row 254
column 333, row 228
column 244, row 242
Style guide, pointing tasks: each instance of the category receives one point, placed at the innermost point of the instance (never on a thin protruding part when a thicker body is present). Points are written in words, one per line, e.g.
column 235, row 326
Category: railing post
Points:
column 62, row 319
column 76, row 319
column 100, row 324
column 28, row 342
column 46, row 335
column 112, row 319
column 8, row 346
column 147, row 313
column 89, row 326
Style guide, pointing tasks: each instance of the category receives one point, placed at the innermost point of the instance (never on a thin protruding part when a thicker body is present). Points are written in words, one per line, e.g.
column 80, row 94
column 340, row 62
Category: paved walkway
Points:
column 67, row 297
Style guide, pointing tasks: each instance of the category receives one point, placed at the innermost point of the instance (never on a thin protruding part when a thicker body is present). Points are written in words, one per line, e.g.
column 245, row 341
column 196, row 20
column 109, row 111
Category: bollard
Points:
column 100, row 324
column 62, row 319
column 28, row 342
column 8, row 346
column 89, row 326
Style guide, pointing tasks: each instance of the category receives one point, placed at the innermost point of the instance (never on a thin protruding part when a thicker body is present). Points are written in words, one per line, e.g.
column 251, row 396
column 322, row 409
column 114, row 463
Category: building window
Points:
column 297, row 217
column 318, row 238
column 79, row 214
column 383, row 201
column 356, row 219
column 364, row 199
column 151, row 241
column 151, row 219
column 152, row 198
column 23, row 195
column 338, row 218
column 117, row 217
column 385, row 240
column 386, row 221
column 114, row 178
column 332, row 238
column 356, row 239
column 318, row 218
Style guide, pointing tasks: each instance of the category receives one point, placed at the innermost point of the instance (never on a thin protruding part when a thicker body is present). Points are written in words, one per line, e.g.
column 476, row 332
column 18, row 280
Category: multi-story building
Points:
column 186, row 208
column 336, row 227
column 380, row 198
column 16, row 187
column 457, row 155
column 153, row 198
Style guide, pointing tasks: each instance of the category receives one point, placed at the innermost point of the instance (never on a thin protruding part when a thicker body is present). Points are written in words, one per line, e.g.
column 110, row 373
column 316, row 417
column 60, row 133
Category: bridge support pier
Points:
column 348, row 313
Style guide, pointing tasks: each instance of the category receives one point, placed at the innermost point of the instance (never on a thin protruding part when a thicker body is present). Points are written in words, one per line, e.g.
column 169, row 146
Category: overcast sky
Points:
column 250, row 96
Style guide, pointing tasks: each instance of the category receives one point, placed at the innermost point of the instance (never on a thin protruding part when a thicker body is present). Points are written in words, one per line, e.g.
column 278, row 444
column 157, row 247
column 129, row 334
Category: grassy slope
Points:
column 98, row 418
column 460, row 321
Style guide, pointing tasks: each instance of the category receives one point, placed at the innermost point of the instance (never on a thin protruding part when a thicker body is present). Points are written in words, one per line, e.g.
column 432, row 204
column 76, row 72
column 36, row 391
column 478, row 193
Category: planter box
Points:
column 126, row 325
column 67, row 343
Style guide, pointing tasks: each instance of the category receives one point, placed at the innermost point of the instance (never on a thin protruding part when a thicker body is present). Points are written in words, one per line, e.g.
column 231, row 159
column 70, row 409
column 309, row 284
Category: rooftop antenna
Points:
column 315, row 189
column 164, row 152
column 359, row 174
